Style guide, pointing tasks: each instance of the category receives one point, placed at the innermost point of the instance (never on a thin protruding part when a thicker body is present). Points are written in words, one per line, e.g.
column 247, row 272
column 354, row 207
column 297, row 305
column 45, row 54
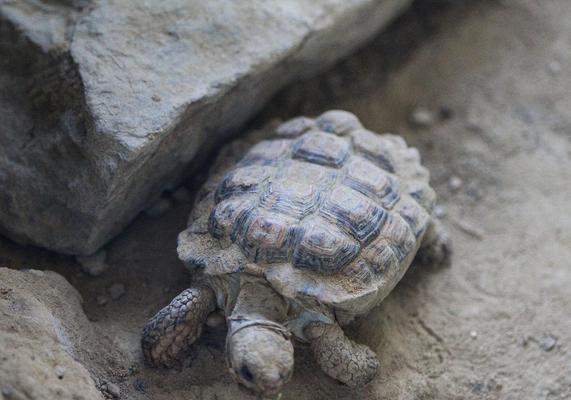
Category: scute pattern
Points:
column 354, row 212
column 365, row 177
column 325, row 196
column 290, row 197
column 323, row 247
column 242, row 180
column 264, row 237
column 322, row 148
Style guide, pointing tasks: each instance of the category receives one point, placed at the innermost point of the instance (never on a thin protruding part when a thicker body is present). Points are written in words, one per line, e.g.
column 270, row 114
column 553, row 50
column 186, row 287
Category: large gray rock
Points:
column 104, row 104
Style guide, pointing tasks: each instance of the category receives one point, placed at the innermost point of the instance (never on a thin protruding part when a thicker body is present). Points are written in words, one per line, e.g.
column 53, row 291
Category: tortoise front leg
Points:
column 168, row 335
column 339, row 357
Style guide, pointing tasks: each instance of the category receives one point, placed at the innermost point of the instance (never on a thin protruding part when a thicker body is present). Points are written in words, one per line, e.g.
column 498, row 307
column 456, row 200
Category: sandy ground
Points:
column 496, row 75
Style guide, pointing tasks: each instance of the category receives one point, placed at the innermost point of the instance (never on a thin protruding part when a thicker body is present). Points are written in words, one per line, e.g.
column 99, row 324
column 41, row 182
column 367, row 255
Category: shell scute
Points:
column 292, row 198
column 322, row 148
column 248, row 179
column 365, row 177
column 323, row 247
column 338, row 122
column 265, row 237
column 375, row 148
column 354, row 212
column 227, row 213
column 295, row 127
column 267, row 152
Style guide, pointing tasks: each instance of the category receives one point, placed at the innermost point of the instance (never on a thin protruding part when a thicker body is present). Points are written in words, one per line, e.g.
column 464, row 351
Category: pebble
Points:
column 116, row 290
column 60, row 371
column 473, row 334
column 440, row 211
column 422, row 117
column 455, row 183
column 160, row 207
column 7, row 393
column 554, row 67
column 547, row 342
column 94, row 264
column 113, row 390
column 473, row 123
column 182, row 195
column 445, row 113
column 101, row 300
column 470, row 229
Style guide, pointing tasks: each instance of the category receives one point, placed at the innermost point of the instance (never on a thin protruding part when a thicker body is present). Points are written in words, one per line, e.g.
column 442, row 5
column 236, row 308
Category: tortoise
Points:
column 297, row 236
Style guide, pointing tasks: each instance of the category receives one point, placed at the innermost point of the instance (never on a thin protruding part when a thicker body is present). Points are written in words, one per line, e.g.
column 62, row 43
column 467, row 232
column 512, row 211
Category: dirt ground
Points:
column 496, row 77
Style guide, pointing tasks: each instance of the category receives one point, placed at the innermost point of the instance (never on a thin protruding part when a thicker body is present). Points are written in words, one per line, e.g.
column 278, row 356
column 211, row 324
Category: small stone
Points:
column 554, row 67
column 422, row 117
column 116, row 290
column 60, row 371
column 440, row 211
column 523, row 341
column 159, row 208
column 94, row 264
column 445, row 113
column 455, row 183
column 473, row 123
column 156, row 98
column 101, row 300
column 547, row 342
column 113, row 390
column 182, row 195
column 470, row 229
column 473, row 334
column 8, row 393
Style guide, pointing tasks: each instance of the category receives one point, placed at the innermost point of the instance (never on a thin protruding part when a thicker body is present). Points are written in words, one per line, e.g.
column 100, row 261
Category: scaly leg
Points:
column 339, row 357
column 168, row 335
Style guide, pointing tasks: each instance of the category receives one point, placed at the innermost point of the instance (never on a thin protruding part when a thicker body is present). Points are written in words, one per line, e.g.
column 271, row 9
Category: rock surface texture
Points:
column 105, row 104
column 41, row 323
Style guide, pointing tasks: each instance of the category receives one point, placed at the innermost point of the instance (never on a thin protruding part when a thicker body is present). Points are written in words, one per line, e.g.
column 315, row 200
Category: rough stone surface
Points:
column 40, row 321
column 509, row 286
column 105, row 104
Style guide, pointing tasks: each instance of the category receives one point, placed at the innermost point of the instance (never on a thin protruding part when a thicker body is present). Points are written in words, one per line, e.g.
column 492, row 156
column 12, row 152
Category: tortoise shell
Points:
column 330, row 213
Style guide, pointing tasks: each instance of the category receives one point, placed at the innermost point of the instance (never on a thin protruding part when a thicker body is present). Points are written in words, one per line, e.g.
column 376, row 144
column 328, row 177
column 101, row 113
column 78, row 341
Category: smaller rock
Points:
column 113, row 389
column 60, row 371
column 455, row 183
column 7, row 393
column 159, row 208
column 473, row 123
column 470, row 229
column 554, row 67
column 116, row 291
column 182, row 195
column 547, row 342
column 445, row 113
column 94, row 264
column 473, row 334
column 440, row 211
column 422, row 117
column 101, row 300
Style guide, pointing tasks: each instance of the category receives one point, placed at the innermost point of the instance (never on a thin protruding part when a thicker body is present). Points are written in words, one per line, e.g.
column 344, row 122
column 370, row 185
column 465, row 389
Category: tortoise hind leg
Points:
column 168, row 335
column 436, row 246
column 339, row 357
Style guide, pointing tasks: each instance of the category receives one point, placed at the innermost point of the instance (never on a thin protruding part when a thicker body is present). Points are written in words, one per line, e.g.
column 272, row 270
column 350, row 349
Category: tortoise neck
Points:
column 257, row 301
